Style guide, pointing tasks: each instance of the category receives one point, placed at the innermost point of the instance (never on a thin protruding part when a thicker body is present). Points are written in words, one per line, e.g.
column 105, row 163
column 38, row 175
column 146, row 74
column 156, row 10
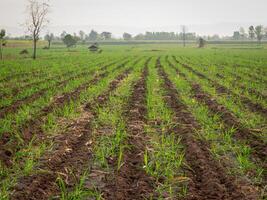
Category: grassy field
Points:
column 148, row 121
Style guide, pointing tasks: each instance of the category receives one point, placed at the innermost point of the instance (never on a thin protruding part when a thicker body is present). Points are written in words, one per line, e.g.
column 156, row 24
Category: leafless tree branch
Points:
column 38, row 11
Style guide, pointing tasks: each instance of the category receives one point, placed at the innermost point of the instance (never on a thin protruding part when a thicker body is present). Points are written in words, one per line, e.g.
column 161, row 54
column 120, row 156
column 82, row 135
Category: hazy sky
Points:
column 141, row 15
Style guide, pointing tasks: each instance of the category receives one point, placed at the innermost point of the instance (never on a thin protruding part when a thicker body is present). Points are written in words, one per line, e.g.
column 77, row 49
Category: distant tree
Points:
column 242, row 33
column 106, row 35
column 37, row 19
column 76, row 37
column 2, row 42
column 164, row 36
column 49, row 37
column 201, row 42
column 93, row 35
column 192, row 36
column 139, row 37
column 215, row 37
column 63, row 34
column 265, row 32
column 82, row 35
column 236, row 35
column 127, row 36
column 149, row 36
column 251, row 32
column 69, row 40
column 183, row 31
column 259, row 33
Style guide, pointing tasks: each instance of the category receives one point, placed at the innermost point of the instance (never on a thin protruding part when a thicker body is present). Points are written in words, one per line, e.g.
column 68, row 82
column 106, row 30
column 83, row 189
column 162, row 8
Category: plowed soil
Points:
column 34, row 126
column 15, row 106
column 72, row 154
column 131, row 182
column 254, row 107
column 208, row 178
column 258, row 146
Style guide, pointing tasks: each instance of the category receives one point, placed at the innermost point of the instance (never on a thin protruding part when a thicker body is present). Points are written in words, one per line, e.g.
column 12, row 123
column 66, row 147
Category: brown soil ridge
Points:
column 72, row 154
column 254, row 107
column 131, row 182
column 14, row 107
column 34, row 126
column 259, row 148
column 208, row 177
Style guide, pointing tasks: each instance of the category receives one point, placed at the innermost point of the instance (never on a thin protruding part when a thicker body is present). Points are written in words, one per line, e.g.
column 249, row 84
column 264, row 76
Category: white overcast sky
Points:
column 203, row 16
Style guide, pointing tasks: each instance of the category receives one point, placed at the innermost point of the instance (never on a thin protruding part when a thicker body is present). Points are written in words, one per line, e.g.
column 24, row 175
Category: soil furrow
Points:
column 229, row 119
column 254, row 107
column 72, row 153
column 19, row 103
column 208, row 178
column 62, row 100
column 34, row 126
column 131, row 181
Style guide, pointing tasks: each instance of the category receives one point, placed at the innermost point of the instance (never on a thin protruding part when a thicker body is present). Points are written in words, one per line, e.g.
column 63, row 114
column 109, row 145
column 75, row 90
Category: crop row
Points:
column 149, row 128
column 44, row 123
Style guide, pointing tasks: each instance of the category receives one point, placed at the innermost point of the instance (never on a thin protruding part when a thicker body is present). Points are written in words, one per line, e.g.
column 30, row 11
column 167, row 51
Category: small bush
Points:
column 24, row 52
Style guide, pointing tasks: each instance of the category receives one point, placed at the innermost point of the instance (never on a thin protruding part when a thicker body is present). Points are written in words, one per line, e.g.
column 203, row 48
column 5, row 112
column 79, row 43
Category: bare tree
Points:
column 37, row 20
column 49, row 37
column 251, row 32
column 184, row 30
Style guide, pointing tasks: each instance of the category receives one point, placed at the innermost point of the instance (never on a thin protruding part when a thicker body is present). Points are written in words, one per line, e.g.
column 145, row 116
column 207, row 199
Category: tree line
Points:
column 257, row 32
column 37, row 19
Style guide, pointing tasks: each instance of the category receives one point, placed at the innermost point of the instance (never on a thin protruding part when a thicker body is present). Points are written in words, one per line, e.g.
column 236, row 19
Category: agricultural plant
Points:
column 68, row 120
column 219, row 136
column 79, row 190
column 51, row 125
column 164, row 155
column 232, row 102
column 111, row 145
